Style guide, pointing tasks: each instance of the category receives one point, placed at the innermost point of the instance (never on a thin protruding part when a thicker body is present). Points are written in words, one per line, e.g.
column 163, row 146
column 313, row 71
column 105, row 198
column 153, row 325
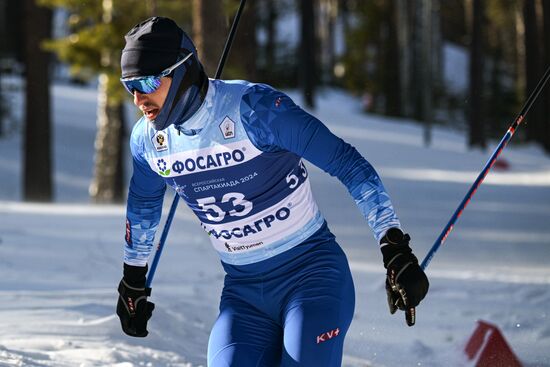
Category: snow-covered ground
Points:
column 60, row 263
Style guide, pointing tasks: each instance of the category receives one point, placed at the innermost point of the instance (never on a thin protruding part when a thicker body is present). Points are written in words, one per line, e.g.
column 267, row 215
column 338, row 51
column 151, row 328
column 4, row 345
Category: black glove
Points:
column 132, row 308
column 406, row 282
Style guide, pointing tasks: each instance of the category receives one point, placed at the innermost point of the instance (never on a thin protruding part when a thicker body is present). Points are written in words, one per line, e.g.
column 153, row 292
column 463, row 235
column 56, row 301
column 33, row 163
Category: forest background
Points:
column 466, row 64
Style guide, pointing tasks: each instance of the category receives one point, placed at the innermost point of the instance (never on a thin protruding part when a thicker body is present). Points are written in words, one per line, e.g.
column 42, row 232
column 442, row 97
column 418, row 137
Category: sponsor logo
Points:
column 328, row 335
column 227, row 126
column 163, row 167
column 208, row 161
column 251, row 228
column 160, row 141
column 242, row 247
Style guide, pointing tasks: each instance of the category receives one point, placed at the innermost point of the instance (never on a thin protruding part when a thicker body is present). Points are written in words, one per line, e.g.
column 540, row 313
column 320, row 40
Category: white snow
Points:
column 60, row 263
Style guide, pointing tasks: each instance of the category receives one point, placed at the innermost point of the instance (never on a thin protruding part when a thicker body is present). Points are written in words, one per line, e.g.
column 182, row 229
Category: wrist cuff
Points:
column 135, row 276
column 393, row 236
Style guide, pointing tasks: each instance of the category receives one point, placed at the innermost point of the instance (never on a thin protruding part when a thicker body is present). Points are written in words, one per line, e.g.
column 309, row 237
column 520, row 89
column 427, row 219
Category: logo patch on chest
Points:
column 160, row 141
column 227, row 126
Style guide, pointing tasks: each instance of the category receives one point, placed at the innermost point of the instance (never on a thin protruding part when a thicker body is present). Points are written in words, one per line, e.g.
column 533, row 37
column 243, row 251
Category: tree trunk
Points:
column 437, row 52
column 546, row 96
column 37, row 153
column 404, row 42
column 325, row 28
column 476, row 131
column 496, row 101
column 271, row 36
column 107, row 185
column 331, row 41
column 209, row 32
column 532, row 67
column 343, row 5
column 426, row 70
column 108, row 182
column 308, row 69
column 416, row 59
column 392, row 70
column 519, row 64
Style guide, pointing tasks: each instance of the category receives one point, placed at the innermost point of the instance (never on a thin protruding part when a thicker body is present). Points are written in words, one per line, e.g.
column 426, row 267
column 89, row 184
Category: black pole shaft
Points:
column 229, row 41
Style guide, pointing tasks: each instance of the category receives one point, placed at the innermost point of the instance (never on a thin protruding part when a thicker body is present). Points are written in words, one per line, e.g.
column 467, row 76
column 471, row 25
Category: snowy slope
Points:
column 60, row 263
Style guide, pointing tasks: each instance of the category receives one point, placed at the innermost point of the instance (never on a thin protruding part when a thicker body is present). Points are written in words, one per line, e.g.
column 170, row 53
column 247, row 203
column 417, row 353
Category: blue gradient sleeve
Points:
column 144, row 206
column 275, row 123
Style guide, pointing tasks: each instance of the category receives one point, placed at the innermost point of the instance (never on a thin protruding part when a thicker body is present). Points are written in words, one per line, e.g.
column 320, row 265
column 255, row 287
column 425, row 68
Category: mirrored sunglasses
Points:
column 149, row 84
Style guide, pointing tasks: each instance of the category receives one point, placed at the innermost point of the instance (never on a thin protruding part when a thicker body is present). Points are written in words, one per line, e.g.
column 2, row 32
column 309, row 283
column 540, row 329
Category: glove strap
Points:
column 124, row 286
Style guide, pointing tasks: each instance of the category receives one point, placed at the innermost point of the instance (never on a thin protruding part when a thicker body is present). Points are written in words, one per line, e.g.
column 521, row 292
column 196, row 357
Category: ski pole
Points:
column 511, row 130
column 174, row 205
column 162, row 240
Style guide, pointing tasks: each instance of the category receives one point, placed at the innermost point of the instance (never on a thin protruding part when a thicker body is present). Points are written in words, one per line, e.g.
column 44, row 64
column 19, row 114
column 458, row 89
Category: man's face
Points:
column 150, row 104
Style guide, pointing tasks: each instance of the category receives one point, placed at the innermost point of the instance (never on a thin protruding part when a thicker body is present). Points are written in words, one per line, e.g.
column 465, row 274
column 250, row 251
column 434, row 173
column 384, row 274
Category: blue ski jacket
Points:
column 237, row 163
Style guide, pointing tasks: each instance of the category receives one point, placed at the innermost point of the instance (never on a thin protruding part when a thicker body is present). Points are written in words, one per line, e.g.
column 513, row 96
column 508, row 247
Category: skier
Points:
column 233, row 151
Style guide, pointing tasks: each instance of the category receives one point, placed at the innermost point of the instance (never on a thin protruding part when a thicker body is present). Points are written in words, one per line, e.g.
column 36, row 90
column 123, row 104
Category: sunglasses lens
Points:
column 143, row 86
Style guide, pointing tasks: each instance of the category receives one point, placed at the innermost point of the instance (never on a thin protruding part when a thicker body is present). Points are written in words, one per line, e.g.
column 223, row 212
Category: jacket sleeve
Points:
column 144, row 206
column 276, row 123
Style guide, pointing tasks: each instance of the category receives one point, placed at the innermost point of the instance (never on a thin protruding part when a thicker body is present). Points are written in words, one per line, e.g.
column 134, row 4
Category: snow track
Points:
column 60, row 263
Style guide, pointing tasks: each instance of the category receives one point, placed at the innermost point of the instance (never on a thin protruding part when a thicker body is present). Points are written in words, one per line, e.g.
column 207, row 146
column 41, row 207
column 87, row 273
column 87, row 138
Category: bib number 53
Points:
column 293, row 180
column 214, row 213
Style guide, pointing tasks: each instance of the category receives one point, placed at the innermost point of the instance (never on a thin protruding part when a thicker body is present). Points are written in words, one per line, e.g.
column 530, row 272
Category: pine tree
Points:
column 93, row 48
